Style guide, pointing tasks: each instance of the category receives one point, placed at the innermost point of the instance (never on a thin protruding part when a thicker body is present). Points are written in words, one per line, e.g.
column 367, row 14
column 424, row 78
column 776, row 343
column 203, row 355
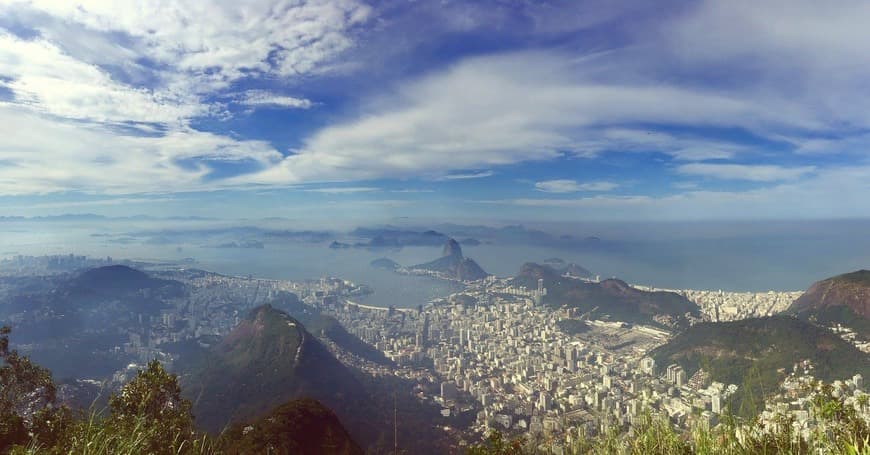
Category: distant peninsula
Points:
column 452, row 265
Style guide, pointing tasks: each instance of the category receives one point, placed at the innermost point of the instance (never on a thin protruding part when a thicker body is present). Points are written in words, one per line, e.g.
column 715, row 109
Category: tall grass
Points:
column 840, row 430
column 97, row 435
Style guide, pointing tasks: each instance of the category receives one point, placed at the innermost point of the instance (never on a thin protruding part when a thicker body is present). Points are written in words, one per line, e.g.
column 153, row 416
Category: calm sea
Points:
column 730, row 256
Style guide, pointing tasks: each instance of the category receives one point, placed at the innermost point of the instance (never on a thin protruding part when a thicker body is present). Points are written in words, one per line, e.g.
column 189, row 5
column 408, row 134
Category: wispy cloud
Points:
column 468, row 175
column 262, row 98
column 755, row 173
column 533, row 106
column 94, row 203
column 833, row 193
column 573, row 186
column 342, row 190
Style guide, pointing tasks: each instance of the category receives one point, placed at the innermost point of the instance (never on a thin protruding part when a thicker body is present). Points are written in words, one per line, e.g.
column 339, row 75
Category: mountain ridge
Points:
column 842, row 299
column 755, row 352
column 268, row 358
column 612, row 297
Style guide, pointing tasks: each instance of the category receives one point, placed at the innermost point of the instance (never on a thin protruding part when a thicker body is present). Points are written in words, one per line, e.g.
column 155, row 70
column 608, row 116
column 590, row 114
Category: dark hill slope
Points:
column 116, row 280
column 268, row 359
column 843, row 299
column 750, row 352
column 82, row 311
column 303, row 427
column 612, row 297
column 328, row 327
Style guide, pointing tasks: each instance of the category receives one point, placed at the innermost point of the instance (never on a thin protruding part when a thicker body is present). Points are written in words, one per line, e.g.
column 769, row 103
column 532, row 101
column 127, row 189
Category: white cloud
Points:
column 92, row 158
column 573, row 186
column 225, row 39
column 812, row 51
column 755, row 173
column 87, row 114
column 517, row 107
column 262, row 98
column 467, row 175
column 47, row 80
column 342, row 190
column 835, row 192
column 782, row 70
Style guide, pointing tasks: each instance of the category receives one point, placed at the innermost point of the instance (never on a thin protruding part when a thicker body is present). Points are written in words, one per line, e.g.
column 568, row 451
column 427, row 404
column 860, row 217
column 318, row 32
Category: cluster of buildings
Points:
column 21, row 265
column 852, row 337
column 795, row 403
column 732, row 306
column 211, row 307
column 506, row 360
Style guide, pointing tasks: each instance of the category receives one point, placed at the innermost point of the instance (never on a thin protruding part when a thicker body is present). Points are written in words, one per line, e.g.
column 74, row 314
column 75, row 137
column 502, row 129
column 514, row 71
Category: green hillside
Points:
column 843, row 299
column 611, row 298
column 756, row 354
column 300, row 427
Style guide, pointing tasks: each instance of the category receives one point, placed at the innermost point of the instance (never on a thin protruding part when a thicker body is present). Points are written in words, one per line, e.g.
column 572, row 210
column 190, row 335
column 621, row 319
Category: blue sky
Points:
column 502, row 110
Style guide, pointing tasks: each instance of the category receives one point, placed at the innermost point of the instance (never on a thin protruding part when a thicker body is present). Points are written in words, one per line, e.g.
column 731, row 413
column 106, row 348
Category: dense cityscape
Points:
column 494, row 351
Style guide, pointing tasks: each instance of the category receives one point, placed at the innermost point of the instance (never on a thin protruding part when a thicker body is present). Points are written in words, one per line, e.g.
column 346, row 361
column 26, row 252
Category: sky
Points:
column 500, row 109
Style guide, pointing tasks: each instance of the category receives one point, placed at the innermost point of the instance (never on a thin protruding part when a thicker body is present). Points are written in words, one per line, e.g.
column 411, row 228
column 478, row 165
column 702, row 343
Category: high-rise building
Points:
column 673, row 371
column 681, row 379
column 647, row 365
column 544, row 401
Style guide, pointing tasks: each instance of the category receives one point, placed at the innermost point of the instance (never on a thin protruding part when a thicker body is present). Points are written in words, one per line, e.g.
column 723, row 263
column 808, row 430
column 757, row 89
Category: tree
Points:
column 497, row 445
column 151, row 404
column 27, row 399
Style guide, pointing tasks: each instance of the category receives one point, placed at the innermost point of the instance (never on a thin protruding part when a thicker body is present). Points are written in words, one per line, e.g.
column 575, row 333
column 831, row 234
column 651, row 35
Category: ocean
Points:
column 735, row 256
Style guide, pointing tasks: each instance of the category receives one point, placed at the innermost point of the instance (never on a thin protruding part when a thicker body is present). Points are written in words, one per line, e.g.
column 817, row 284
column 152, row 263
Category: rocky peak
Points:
column 452, row 249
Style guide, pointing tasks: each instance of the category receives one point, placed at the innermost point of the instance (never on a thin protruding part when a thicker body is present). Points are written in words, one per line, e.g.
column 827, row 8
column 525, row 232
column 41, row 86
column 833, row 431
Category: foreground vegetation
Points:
column 149, row 415
column 841, row 430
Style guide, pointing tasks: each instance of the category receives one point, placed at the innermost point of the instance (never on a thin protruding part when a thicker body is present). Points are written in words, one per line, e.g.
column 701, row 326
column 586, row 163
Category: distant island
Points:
column 386, row 264
column 249, row 244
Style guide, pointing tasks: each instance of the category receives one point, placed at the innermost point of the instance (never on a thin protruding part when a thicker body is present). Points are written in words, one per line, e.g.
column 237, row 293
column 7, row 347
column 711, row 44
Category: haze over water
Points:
column 728, row 256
